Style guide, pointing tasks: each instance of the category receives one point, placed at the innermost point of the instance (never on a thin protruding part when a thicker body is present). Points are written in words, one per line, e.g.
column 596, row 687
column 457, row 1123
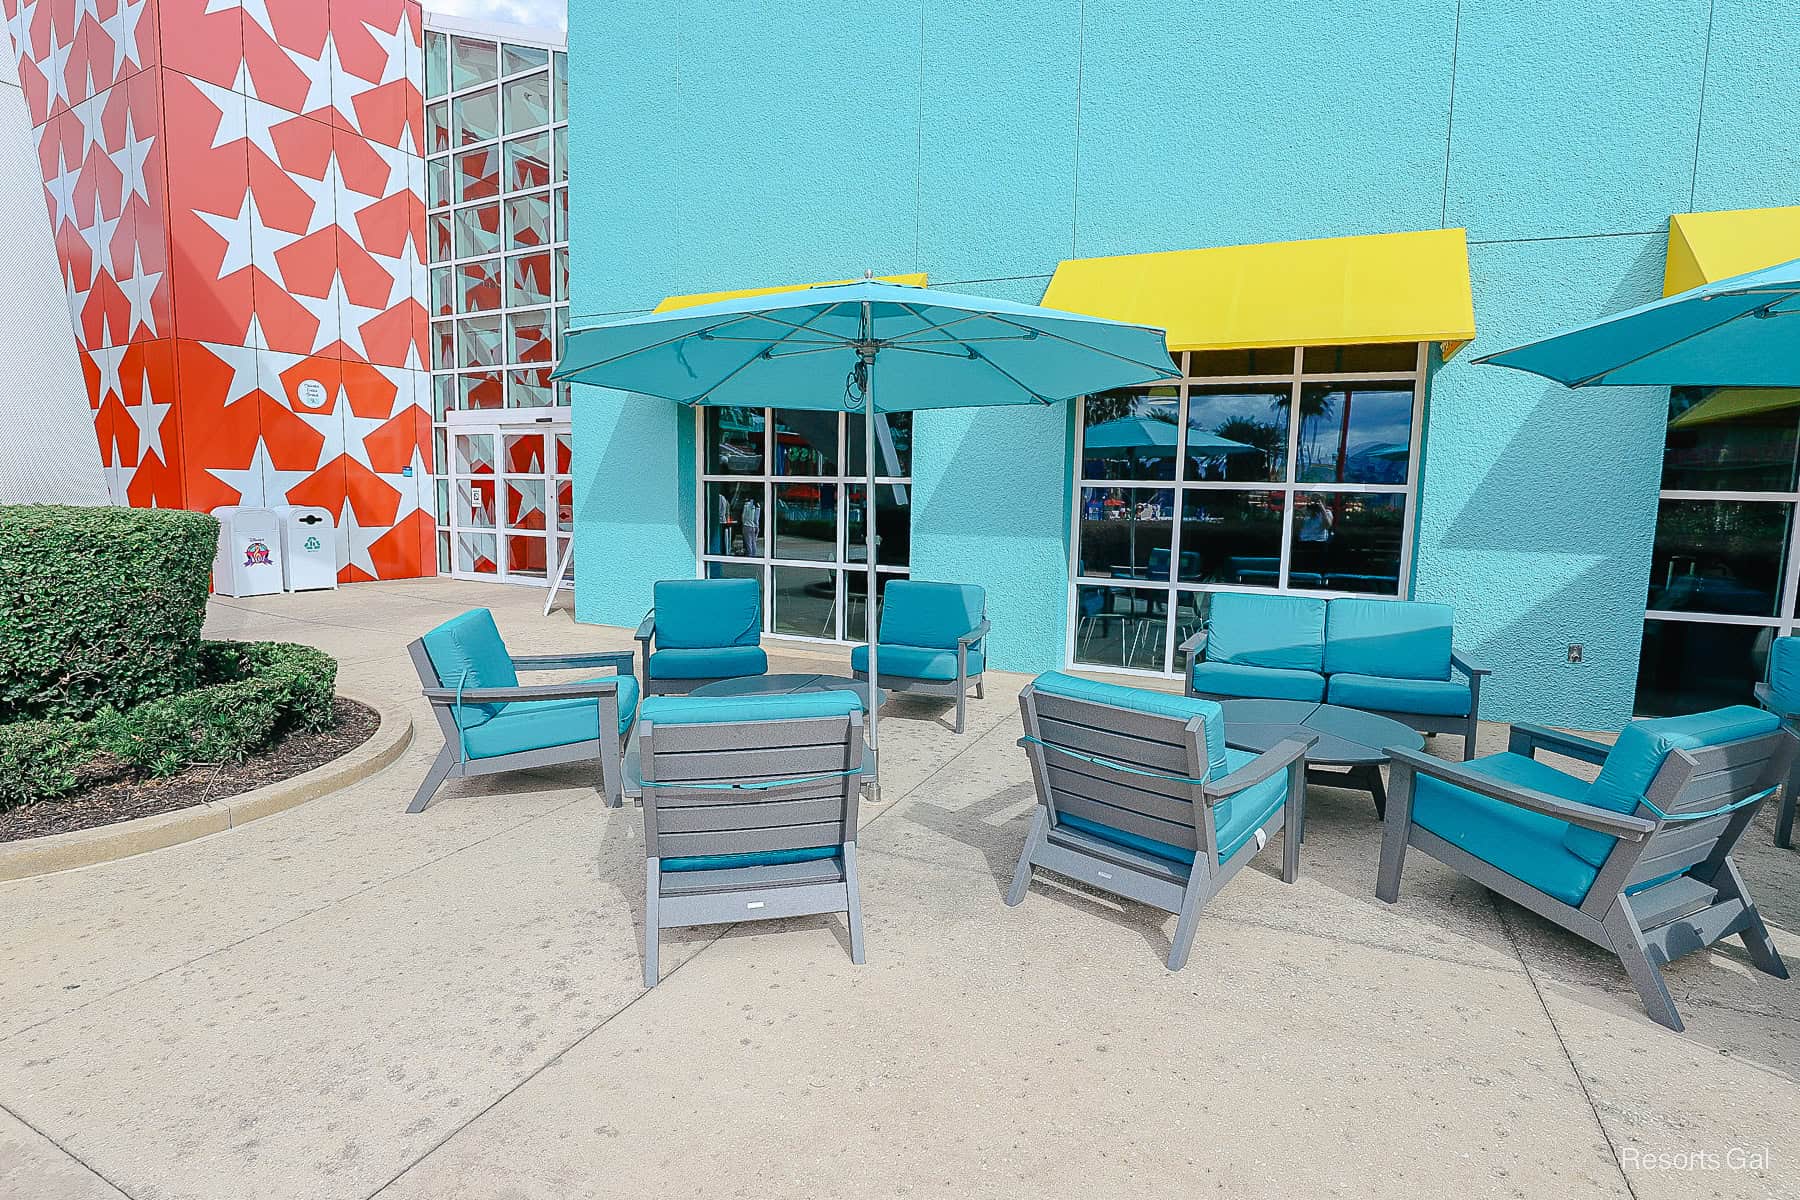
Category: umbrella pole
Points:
column 869, row 622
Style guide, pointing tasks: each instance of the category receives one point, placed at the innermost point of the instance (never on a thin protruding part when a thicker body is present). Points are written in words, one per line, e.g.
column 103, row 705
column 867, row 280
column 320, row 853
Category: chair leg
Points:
column 434, row 779
column 1628, row 943
column 962, row 707
column 854, row 912
column 1761, row 947
column 981, row 687
column 1396, row 829
column 1021, row 880
column 1784, row 816
column 1293, row 822
column 1470, row 731
column 1189, row 920
column 652, row 885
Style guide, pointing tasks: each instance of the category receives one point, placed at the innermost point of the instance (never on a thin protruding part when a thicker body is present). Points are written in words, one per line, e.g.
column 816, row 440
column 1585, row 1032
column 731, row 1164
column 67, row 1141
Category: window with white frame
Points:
column 781, row 501
column 497, row 231
column 1283, row 469
column 1723, row 567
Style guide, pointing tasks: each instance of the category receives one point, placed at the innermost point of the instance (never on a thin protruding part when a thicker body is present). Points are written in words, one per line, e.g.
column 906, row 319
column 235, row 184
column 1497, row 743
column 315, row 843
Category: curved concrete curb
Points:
column 85, row 847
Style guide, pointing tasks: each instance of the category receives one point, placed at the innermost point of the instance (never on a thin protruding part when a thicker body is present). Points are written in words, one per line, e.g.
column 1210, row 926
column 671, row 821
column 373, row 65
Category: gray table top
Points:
column 1347, row 736
column 787, row 685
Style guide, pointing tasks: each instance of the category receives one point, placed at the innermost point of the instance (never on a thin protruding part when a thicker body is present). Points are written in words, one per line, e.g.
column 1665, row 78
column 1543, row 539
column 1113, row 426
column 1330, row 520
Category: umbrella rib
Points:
column 706, row 332
column 767, row 352
column 978, row 356
column 1164, row 372
column 929, row 327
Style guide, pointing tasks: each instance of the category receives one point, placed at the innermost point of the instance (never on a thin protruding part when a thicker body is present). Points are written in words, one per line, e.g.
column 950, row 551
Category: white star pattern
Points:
column 124, row 35
column 118, row 476
column 239, row 252
column 108, row 359
column 140, row 289
column 243, row 363
column 232, row 119
column 56, row 70
column 100, row 237
column 132, row 158
column 393, row 49
column 318, row 74
column 261, row 482
column 149, row 417
column 355, row 539
column 351, row 317
column 344, row 432
column 61, row 187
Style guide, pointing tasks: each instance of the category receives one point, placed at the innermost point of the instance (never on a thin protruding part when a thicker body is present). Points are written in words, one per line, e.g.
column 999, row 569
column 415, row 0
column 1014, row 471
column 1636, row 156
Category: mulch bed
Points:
column 121, row 799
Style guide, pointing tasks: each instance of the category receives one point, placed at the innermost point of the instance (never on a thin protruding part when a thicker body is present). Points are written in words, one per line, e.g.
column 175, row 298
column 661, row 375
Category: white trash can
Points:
column 308, row 547
column 249, row 558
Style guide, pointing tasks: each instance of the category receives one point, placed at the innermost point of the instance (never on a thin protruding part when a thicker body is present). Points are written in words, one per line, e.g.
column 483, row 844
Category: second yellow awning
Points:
column 1709, row 246
column 1391, row 287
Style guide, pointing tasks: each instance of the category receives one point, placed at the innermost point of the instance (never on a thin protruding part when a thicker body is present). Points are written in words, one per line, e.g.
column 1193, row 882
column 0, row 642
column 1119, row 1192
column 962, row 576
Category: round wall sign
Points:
column 312, row 393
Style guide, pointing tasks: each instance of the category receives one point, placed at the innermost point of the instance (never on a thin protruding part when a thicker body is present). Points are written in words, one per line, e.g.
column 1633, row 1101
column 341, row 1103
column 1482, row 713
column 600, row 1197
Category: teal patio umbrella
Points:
column 1738, row 332
column 824, row 348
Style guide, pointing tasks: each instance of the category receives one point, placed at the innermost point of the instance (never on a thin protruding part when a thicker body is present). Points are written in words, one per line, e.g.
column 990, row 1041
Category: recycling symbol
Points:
column 312, row 544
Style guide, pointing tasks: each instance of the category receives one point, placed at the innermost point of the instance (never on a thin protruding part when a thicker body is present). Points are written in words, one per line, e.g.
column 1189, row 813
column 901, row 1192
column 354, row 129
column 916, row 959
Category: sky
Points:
column 538, row 14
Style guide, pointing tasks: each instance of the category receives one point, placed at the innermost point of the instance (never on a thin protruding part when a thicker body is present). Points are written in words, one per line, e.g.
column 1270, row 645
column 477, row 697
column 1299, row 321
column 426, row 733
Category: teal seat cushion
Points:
column 694, row 614
column 1426, row 697
column 467, row 651
column 1526, row 845
column 917, row 662
column 538, row 724
column 1248, row 811
column 1395, row 639
column 1784, row 674
column 1246, row 629
column 1263, row 683
column 757, row 858
column 712, row 662
column 1639, row 753
column 737, row 710
column 1143, row 700
column 934, row 615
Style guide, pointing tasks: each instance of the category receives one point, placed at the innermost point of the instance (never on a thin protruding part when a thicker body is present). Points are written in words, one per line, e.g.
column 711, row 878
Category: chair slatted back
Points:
column 682, row 820
column 1701, row 781
column 1161, row 809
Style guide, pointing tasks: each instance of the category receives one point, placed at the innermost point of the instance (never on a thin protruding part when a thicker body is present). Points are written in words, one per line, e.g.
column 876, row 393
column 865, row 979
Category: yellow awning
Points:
column 1389, row 287
column 709, row 297
column 1707, row 246
column 1728, row 403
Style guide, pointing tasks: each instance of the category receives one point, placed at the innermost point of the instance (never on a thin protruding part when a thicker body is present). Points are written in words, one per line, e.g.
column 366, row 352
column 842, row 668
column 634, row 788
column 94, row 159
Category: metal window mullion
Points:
column 1291, row 474
column 1179, row 504
column 1403, row 586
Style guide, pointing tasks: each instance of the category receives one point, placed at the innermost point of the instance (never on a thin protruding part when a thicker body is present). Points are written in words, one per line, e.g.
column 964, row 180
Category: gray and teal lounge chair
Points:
column 1138, row 796
column 749, row 810
column 932, row 637
column 492, row 724
column 704, row 630
column 1780, row 694
column 1637, row 862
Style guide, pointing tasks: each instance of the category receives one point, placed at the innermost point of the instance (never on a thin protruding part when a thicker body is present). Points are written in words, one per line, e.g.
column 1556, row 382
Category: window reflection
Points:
column 1346, row 541
column 1719, row 556
column 734, row 441
column 1131, row 434
column 893, row 445
column 1232, row 537
column 1121, row 626
column 1238, row 433
column 806, row 602
column 1355, row 433
column 806, row 520
column 1692, row 666
column 805, row 442
column 1732, row 439
column 1125, row 533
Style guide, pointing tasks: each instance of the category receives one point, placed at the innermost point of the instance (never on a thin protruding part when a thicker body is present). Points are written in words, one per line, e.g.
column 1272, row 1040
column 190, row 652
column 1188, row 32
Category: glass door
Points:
column 510, row 499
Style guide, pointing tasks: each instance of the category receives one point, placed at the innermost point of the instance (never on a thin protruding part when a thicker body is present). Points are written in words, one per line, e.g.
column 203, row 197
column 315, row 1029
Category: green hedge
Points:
column 99, row 607
column 248, row 694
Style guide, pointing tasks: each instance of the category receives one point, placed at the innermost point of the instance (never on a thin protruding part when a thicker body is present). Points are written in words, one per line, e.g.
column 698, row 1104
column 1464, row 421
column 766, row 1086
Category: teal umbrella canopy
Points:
column 1737, row 332
column 811, row 349
column 1150, row 438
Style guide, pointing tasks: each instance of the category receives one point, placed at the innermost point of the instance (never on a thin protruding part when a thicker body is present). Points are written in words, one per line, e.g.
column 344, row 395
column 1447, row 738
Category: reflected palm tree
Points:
column 1315, row 407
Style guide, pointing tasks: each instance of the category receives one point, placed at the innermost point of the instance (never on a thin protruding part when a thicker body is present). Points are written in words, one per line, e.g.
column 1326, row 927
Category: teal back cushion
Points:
column 1784, row 673
column 738, row 710
column 915, row 613
column 1639, row 753
column 468, row 649
column 1397, row 639
column 699, row 614
column 1266, row 631
column 1161, row 704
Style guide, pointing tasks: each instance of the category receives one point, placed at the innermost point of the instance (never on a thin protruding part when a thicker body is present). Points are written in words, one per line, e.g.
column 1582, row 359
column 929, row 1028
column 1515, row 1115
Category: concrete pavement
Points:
column 346, row 1001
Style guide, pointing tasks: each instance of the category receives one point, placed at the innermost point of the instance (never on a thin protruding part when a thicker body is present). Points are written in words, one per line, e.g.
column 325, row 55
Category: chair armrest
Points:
column 1263, row 766
column 646, row 627
column 546, row 691
column 1458, row 662
column 1602, row 820
column 976, row 634
column 1196, row 642
column 1528, row 739
column 619, row 660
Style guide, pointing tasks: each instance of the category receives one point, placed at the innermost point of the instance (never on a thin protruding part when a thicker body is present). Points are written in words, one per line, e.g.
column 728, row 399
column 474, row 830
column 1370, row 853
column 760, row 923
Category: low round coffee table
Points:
column 1347, row 738
column 788, row 685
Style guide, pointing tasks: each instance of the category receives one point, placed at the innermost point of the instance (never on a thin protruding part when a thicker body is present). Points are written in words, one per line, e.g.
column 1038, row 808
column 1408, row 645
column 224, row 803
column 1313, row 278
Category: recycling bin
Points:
column 249, row 558
column 308, row 547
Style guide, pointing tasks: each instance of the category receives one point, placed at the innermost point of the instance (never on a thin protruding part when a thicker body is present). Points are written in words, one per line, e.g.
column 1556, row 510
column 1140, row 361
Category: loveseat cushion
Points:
column 933, row 615
column 466, row 650
column 702, row 613
column 1247, row 629
column 720, row 662
column 1143, row 700
column 1639, row 753
column 1394, row 639
column 1263, row 683
column 1424, row 697
column 917, row 662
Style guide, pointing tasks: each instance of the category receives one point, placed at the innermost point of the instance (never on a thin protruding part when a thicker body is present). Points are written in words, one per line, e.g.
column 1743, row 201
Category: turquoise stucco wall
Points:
column 717, row 146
